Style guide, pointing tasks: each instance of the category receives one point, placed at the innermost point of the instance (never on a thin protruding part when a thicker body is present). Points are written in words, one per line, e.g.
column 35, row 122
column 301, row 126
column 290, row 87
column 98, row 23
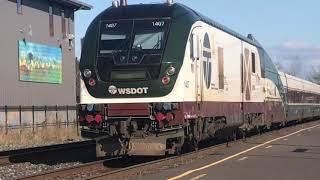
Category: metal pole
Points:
column 57, row 123
column 77, row 120
column 6, row 118
column 20, row 118
column 67, row 115
column 45, row 116
column 32, row 119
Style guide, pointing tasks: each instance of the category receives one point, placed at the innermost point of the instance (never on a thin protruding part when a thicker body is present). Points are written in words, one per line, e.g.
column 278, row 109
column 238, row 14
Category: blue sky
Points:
column 288, row 29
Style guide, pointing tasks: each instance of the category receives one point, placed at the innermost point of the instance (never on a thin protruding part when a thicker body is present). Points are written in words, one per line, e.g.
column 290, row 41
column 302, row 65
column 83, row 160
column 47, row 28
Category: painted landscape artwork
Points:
column 40, row 63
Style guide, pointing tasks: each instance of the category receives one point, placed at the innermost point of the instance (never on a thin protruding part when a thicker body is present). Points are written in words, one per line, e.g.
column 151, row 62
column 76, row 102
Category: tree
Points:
column 295, row 67
column 314, row 75
column 279, row 66
column 290, row 67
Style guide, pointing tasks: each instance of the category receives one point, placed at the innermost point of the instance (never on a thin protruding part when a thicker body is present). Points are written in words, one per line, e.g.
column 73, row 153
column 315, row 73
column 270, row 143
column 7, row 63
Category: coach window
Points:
column 241, row 72
column 19, row 6
column 253, row 62
column 221, row 67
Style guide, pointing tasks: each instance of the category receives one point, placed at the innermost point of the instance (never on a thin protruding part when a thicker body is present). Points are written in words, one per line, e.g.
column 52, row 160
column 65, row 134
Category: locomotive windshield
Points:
column 135, row 35
column 115, row 36
column 137, row 42
column 149, row 34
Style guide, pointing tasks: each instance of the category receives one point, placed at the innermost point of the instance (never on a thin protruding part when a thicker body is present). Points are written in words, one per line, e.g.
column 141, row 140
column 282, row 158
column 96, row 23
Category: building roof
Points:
column 75, row 4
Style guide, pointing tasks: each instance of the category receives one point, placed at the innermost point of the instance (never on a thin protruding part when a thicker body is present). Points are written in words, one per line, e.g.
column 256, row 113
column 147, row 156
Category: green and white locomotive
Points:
column 160, row 77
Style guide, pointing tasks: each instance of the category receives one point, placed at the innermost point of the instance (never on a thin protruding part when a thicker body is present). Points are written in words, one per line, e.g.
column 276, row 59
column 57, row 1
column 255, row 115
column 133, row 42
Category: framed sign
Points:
column 40, row 63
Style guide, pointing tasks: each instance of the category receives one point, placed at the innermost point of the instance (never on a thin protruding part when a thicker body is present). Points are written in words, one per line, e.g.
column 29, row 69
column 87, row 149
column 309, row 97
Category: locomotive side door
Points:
column 246, row 81
column 196, row 54
column 247, row 75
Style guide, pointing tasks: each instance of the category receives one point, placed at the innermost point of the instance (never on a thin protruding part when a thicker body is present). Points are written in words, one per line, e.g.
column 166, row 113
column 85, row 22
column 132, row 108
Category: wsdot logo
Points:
column 112, row 90
column 127, row 91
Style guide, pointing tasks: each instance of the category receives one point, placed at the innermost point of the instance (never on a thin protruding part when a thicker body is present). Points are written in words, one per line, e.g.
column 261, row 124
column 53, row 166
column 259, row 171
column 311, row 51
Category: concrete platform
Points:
column 291, row 156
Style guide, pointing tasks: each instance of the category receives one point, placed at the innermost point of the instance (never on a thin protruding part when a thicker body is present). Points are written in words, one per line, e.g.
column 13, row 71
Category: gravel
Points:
column 26, row 169
column 15, row 171
column 8, row 147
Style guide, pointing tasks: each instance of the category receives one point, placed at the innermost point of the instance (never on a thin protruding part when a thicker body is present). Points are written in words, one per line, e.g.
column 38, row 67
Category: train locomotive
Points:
column 158, row 78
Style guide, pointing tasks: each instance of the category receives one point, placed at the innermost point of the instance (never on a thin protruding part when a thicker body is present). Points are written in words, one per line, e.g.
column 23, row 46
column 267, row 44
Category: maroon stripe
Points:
column 128, row 106
column 126, row 112
column 273, row 111
column 128, row 109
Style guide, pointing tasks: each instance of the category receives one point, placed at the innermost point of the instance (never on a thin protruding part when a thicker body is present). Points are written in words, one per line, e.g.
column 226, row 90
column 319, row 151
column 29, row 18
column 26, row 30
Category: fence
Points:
column 32, row 117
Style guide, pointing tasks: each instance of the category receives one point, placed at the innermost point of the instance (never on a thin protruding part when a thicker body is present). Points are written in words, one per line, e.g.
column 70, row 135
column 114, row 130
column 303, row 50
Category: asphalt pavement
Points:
column 293, row 155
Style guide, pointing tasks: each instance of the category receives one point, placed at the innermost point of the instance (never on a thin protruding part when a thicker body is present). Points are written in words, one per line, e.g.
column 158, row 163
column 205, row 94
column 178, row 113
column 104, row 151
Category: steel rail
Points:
column 23, row 155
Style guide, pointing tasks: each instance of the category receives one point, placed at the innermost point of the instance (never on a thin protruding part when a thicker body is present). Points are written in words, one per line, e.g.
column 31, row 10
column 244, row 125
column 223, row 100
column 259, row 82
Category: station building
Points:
column 37, row 63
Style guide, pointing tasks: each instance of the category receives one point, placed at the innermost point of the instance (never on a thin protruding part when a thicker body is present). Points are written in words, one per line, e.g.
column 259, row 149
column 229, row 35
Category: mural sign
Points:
column 40, row 63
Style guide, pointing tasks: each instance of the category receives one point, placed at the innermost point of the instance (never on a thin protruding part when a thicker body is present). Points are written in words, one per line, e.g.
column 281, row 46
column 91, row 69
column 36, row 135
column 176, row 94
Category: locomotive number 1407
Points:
column 111, row 25
column 158, row 23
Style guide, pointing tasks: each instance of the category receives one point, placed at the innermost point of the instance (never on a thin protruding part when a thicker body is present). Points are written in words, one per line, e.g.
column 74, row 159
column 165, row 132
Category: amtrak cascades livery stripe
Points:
column 127, row 91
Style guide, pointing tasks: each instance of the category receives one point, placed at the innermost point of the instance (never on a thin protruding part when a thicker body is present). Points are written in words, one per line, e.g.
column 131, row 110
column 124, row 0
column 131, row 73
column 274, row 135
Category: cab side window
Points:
column 253, row 59
column 194, row 47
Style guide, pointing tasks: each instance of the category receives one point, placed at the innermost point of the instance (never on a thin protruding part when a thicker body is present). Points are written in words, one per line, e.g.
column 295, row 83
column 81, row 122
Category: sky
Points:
column 288, row 29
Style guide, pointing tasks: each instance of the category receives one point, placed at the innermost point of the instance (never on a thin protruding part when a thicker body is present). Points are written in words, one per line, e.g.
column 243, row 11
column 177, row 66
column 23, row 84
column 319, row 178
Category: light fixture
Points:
column 92, row 82
column 87, row 73
column 90, row 107
column 165, row 80
column 171, row 70
column 169, row 2
column 115, row 3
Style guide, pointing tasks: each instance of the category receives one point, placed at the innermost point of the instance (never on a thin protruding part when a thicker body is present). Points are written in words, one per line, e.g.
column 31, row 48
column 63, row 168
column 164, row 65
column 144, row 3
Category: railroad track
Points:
column 106, row 169
column 60, row 173
column 90, row 169
column 50, row 154
column 101, row 170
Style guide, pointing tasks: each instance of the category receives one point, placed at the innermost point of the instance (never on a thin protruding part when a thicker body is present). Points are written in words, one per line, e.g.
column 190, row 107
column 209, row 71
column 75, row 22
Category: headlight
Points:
column 167, row 106
column 87, row 73
column 171, row 70
column 90, row 107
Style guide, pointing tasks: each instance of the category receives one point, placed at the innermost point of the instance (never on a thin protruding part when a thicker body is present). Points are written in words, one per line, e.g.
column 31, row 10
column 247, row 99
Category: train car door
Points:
column 246, row 84
column 246, row 75
column 197, row 49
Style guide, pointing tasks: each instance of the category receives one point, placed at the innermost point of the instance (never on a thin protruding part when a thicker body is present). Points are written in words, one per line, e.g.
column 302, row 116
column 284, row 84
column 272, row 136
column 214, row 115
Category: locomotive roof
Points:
column 164, row 10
